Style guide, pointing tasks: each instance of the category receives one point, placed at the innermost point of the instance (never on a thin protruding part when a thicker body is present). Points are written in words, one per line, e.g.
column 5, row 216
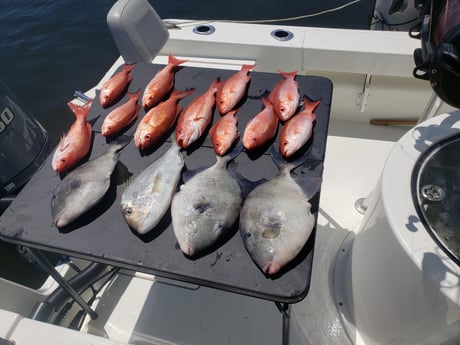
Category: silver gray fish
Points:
column 85, row 186
column 206, row 208
column 275, row 221
column 147, row 198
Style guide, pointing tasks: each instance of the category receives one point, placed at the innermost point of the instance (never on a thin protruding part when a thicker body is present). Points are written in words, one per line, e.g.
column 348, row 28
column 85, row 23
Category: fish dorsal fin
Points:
column 63, row 143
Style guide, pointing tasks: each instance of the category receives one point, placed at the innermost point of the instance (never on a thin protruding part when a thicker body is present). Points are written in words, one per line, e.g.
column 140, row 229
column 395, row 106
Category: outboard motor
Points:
column 24, row 144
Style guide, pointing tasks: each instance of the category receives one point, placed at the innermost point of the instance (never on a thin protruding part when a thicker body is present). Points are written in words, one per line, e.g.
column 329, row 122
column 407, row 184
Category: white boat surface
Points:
column 372, row 281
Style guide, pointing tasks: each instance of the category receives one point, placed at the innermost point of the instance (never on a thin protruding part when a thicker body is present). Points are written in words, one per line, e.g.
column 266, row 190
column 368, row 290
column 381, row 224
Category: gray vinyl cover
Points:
column 137, row 30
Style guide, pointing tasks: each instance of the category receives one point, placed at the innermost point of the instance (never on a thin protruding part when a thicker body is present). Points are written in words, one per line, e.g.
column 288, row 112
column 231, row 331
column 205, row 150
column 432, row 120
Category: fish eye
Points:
column 129, row 211
column 147, row 136
column 248, row 235
column 63, row 160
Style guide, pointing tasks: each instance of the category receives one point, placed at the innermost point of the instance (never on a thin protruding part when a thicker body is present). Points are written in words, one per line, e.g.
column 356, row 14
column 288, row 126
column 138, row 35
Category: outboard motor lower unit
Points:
column 24, row 143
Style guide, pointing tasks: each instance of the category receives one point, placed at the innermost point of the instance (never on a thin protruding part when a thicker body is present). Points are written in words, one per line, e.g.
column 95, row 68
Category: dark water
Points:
column 49, row 49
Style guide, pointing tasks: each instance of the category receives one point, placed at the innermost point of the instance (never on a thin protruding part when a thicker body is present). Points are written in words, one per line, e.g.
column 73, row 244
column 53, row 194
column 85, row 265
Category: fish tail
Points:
column 232, row 113
column 283, row 164
column 178, row 94
column 80, row 111
column 288, row 75
column 247, row 68
column 172, row 60
column 266, row 102
column 215, row 85
column 136, row 94
column 120, row 142
column 309, row 105
column 128, row 68
column 231, row 155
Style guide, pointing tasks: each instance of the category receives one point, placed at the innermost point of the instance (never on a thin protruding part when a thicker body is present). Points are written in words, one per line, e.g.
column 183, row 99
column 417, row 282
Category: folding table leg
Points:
column 48, row 268
column 284, row 308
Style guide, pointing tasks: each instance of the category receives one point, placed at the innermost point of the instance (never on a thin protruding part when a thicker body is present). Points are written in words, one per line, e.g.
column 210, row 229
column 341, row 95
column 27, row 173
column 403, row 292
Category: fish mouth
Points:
column 59, row 222
column 271, row 268
column 188, row 249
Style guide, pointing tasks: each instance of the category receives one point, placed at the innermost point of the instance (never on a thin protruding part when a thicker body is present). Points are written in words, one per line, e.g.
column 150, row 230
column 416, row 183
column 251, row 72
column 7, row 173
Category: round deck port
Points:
column 204, row 29
column 282, row 35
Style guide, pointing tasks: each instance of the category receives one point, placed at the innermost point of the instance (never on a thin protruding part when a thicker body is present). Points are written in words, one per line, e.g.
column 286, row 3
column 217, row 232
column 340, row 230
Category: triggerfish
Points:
column 85, row 186
column 76, row 143
column 114, row 87
column 232, row 90
column 206, row 208
column 148, row 196
column 298, row 130
column 161, row 83
column 285, row 96
column 122, row 116
column 276, row 221
column 194, row 120
column 159, row 120
column 224, row 133
column 262, row 128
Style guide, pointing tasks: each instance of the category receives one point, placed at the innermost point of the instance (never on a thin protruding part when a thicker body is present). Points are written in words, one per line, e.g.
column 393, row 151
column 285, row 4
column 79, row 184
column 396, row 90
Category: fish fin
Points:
column 288, row 75
column 246, row 68
column 89, row 128
column 310, row 105
column 136, row 94
column 282, row 163
column 128, row 68
column 178, row 94
column 215, row 84
column 119, row 142
column 212, row 129
column 266, row 102
column 172, row 60
column 157, row 180
column 246, row 185
column 232, row 154
column 63, row 143
column 80, row 111
column 178, row 110
column 127, row 182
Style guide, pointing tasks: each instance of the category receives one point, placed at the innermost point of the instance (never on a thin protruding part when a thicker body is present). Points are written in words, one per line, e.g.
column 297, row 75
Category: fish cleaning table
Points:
column 102, row 234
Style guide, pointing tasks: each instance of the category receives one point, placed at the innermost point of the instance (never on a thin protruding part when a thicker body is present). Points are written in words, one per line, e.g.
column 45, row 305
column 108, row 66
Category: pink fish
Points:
column 224, row 133
column 122, row 116
column 296, row 132
column 159, row 120
column 194, row 120
column 261, row 128
column 161, row 83
column 232, row 90
column 76, row 143
column 114, row 87
column 285, row 96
